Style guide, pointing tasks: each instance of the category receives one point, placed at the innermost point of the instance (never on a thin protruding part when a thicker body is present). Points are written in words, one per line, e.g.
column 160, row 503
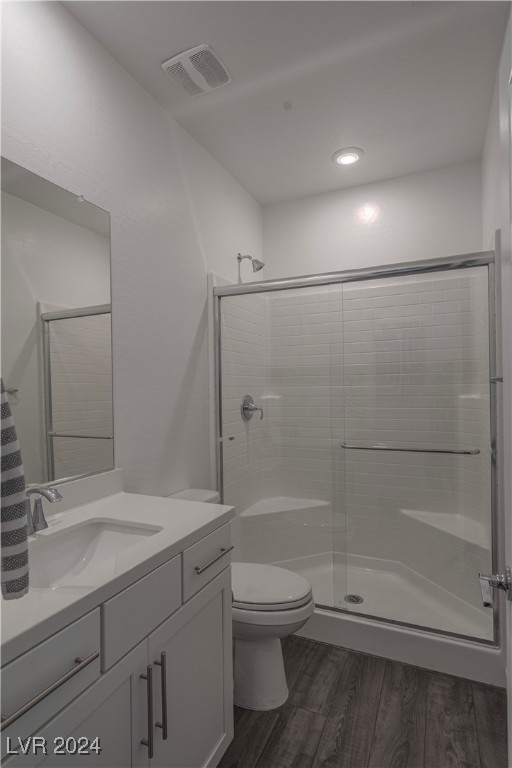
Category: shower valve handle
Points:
column 248, row 408
column 254, row 408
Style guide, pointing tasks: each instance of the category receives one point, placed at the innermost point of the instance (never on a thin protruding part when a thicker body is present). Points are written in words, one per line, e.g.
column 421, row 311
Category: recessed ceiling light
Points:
column 348, row 156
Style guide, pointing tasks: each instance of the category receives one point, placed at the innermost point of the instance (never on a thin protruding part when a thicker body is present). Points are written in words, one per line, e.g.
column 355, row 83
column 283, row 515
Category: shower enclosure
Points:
column 373, row 469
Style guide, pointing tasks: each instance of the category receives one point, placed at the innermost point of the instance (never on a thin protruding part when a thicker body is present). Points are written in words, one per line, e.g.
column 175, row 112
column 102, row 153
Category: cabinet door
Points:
column 113, row 710
column 198, row 647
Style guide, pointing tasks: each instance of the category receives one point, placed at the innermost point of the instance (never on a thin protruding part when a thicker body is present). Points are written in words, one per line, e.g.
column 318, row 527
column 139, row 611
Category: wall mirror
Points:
column 56, row 327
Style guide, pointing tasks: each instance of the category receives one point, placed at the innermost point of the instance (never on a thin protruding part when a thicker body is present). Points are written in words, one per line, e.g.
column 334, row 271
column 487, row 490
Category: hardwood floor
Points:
column 349, row 710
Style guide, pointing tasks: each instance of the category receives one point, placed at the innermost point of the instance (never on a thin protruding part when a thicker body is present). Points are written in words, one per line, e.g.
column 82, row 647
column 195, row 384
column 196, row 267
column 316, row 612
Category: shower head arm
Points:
column 256, row 264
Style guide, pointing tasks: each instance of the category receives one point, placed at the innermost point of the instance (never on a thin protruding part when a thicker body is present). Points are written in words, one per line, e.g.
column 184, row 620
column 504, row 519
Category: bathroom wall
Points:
column 79, row 120
column 491, row 173
column 42, row 255
column 227, row 219
column 421, row 216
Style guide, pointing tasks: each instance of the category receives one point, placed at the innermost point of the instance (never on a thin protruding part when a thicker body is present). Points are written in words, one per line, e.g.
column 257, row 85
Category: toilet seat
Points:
column 276, row 619
column 272, row 606
column 258, row 587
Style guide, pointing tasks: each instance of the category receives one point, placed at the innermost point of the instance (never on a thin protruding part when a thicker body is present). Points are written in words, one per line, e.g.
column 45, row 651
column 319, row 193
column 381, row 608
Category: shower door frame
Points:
column 462, row 261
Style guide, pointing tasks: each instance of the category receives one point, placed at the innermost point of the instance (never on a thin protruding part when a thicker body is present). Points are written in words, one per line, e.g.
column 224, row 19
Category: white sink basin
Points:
column 72, row 556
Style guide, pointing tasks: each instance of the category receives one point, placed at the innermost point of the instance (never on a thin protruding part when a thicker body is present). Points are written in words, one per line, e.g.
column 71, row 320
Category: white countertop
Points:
column 42, row 612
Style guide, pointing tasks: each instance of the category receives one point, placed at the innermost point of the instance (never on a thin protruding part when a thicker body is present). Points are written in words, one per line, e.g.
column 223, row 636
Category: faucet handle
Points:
column 51, row 494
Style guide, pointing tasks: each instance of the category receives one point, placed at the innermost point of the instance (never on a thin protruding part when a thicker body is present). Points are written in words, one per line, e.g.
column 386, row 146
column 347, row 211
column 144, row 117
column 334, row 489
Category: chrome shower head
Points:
column 256, row 263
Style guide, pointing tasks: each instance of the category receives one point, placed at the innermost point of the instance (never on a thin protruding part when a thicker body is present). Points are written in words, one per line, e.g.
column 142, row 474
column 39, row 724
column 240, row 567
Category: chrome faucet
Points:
column 36, row 520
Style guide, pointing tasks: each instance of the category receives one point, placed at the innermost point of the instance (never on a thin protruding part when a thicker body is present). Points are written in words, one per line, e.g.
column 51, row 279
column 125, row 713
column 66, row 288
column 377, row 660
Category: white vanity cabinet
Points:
column 112, row 710
column 198, row 685
column 165, row 696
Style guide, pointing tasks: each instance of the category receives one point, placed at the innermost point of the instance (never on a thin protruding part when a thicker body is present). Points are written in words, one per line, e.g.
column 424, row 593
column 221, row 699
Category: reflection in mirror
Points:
column 56, row 327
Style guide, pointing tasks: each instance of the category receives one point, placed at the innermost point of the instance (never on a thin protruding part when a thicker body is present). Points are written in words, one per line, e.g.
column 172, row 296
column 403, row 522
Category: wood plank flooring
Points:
column 351, row 710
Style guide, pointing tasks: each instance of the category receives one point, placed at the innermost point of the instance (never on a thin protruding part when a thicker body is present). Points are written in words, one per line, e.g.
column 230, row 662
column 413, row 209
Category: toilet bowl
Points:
column 268, row 603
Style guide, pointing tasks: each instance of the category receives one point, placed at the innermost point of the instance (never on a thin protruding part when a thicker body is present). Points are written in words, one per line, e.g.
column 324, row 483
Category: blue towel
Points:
column 14, row 510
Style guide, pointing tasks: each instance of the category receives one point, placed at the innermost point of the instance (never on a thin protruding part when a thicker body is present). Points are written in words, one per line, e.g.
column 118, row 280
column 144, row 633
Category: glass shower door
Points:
column 277, row 470
column 412, row 467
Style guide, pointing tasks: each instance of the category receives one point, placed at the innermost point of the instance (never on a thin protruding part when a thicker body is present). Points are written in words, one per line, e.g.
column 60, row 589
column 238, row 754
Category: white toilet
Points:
column 268, row 603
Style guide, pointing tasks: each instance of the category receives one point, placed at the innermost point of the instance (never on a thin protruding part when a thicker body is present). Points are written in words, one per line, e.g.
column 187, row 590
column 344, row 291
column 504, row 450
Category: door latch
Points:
column 503, row 581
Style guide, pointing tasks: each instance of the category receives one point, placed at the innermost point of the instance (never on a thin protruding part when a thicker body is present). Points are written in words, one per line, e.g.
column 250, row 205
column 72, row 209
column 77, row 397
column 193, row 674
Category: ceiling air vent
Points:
column 197, row 70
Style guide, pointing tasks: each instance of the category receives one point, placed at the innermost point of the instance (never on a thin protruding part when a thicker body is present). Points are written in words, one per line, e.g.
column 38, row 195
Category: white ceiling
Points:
column 410, row 83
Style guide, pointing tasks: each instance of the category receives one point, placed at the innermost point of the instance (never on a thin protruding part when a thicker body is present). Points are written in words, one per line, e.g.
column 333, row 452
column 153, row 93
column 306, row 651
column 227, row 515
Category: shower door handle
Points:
column 486, row 591
column 500, row 581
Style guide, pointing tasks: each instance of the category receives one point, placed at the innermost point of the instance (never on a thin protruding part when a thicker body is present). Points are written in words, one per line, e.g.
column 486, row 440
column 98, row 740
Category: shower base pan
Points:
column 392, row 593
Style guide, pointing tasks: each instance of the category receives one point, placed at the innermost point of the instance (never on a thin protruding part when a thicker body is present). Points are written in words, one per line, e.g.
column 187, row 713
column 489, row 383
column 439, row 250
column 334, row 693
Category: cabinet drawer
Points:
column 51, row 663
column 132, row 614
column 208, row 556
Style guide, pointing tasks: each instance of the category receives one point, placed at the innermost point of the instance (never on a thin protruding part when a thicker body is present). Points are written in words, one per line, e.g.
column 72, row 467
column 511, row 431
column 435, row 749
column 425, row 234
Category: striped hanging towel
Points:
column 14, row 510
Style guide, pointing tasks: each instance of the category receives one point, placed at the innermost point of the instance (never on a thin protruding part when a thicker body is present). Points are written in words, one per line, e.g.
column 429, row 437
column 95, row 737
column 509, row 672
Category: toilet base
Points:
column 260, row 680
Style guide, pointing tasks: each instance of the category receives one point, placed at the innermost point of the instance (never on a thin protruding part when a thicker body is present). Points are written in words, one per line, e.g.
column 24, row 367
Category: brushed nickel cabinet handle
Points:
column 199, row 569
column 163, row 675
column 80, row 664
column 149, row 679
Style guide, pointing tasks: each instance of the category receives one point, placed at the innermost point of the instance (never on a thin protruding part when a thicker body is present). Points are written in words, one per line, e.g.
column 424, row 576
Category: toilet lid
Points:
column 258, row 587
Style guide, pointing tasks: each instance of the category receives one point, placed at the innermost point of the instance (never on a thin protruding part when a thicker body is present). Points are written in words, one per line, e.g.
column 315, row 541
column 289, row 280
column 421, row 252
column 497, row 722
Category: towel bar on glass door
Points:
column 383, row 447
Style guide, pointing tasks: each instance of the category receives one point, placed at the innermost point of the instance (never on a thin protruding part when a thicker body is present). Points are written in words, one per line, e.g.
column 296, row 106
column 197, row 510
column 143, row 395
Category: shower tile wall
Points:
column 416, row 373
column 246, row 455
column 299, row 392
column 276, row 347
column 81, row 371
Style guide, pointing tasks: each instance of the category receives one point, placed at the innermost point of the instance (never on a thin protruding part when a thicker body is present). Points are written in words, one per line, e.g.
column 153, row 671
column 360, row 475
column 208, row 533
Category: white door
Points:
column 197, row 645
